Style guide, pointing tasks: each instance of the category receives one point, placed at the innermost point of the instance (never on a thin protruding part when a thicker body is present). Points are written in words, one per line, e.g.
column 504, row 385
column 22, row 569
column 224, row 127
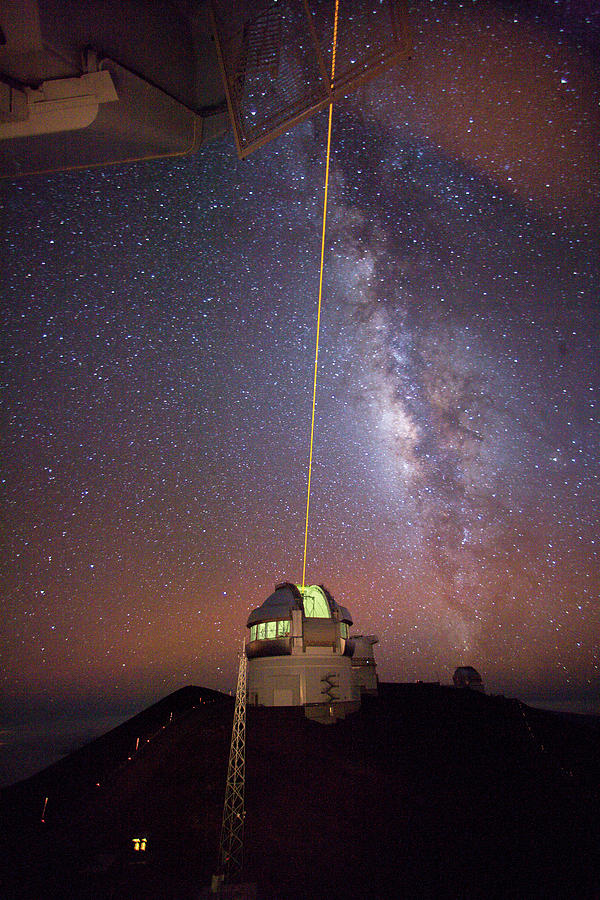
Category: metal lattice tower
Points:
column 231, row 848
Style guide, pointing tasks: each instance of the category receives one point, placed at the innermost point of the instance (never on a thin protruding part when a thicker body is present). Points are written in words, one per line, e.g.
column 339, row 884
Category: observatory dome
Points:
column 467, row 677
column 299, row 651
column 322, row 621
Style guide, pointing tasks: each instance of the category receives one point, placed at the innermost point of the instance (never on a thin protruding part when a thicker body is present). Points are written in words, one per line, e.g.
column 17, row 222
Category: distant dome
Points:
column 467, row 677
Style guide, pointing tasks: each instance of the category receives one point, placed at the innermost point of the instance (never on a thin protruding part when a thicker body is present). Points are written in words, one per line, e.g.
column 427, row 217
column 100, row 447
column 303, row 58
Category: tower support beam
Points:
column 231, row 847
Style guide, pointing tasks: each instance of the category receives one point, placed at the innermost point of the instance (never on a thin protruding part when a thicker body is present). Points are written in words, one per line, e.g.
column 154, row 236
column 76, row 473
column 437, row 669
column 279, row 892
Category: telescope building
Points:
column 300, row 654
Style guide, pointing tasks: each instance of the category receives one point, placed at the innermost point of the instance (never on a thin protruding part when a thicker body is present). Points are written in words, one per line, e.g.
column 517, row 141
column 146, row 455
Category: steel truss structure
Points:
column 231, row 848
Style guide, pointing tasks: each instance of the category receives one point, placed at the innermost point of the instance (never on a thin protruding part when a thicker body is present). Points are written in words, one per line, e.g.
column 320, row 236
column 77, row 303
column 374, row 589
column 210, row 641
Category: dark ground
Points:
column 428, row 791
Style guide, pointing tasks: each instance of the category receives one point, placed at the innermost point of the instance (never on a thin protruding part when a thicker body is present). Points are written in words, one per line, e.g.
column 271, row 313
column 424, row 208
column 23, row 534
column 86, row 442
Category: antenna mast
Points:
column 231, row 848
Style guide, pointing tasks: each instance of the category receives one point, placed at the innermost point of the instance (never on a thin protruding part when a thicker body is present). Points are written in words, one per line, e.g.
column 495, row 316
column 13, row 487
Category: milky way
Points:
column 158, row 340
column 468, row 374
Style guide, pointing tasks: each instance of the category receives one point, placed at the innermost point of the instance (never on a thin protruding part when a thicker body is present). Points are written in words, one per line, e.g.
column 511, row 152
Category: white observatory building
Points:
column 300, row 654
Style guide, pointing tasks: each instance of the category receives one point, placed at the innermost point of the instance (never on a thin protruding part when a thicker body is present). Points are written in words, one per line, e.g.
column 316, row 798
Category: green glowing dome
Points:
column 314, row 600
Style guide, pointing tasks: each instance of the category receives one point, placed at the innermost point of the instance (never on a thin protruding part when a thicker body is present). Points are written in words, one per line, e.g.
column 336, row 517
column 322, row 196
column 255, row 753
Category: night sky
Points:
column 158, row 335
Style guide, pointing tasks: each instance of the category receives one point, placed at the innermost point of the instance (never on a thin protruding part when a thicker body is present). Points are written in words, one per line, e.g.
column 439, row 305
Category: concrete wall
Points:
column 298, row 680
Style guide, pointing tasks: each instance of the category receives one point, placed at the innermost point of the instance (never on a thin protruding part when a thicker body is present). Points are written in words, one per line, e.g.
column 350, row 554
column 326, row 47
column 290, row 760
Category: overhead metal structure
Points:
column 111, row 81
column 276, row 58
column 105, row 81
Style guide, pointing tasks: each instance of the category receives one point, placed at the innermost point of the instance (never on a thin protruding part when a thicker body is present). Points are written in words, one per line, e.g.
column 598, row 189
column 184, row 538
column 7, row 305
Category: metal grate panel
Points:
column 275, row 58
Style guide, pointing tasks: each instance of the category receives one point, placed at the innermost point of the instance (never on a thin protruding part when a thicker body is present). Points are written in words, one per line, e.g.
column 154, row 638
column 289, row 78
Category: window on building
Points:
column 268, row 631
column 344, row 630
column 139, row 844
column 315, row 602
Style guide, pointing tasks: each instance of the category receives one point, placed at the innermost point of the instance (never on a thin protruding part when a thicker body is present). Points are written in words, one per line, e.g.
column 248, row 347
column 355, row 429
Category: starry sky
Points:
column 158, row 330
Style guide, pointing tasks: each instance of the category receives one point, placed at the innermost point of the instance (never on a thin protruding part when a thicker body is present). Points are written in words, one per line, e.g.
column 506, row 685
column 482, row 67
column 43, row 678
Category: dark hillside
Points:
column 66, row 779
column 429, row 791
column 426, row 792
